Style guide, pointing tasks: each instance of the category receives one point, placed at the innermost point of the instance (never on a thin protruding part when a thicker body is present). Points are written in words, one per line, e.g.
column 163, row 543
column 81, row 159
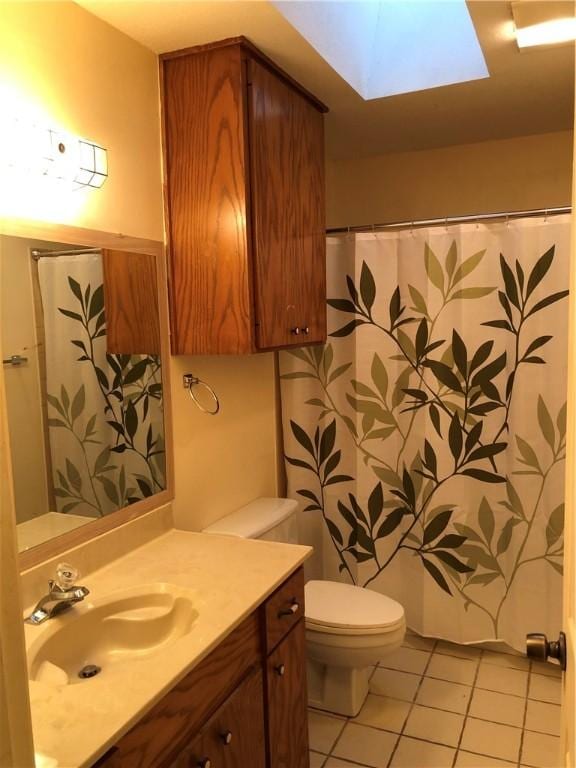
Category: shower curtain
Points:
column 426, row 440
column 105, row 422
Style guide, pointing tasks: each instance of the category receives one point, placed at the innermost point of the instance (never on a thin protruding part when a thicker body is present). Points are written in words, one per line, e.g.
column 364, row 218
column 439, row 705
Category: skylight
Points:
column 387, row 47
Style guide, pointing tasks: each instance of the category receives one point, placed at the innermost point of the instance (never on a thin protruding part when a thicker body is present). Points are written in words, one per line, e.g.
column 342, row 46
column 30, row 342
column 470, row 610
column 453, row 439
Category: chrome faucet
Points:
column 62, row 594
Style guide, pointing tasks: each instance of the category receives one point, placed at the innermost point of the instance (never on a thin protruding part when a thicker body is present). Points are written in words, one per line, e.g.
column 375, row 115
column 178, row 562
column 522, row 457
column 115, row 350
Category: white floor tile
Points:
column 469, row 760
column 452, row 669
column 317, row 760
column 407, row 660
column 493, row 678
column 451, row 697
column 491, row 739
column 366, row 745
column 412, row 753
column 498, row 707
column 434, row 725
column 539, row 751
column 323, row 731
column 542, row 717
column 383, row 712
column 544, row 688
column 420, row 643
column 457, row 649
column 397, row 685
column 509, row 660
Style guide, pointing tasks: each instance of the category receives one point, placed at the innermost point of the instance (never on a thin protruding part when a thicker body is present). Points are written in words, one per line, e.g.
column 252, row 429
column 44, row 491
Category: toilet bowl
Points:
column 348, row 628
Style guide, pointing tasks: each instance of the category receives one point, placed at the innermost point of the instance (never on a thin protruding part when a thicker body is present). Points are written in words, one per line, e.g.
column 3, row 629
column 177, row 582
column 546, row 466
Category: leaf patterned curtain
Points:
column 426, row 440
column 105, row 421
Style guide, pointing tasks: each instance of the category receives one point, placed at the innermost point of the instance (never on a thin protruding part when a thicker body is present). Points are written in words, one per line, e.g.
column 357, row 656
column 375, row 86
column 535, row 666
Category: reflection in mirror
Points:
column 81, row 356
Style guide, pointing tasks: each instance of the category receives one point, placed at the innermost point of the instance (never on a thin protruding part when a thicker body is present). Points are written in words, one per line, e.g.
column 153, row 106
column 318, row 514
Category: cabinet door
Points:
column 234, row 736
column 287, row 702
column 287, row 195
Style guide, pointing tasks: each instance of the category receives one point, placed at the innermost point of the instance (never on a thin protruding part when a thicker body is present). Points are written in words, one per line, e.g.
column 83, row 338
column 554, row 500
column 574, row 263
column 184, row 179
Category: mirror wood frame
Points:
column 62, row 233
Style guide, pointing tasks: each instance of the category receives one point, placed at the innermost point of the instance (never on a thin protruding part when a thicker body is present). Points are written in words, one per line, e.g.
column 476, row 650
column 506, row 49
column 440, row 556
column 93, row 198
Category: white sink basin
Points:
column 97, row 636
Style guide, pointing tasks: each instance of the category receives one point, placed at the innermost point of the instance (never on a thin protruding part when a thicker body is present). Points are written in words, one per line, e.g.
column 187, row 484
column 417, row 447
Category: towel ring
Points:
column 190, row 381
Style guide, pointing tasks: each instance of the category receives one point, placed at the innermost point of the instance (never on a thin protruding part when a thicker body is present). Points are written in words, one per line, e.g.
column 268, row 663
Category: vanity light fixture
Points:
column 547, row 33
column 543, row 22
column 76, row 160
column 38, row 150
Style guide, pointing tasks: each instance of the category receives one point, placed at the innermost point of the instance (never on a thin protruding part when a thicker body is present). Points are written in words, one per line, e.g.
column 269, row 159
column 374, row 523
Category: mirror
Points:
column 80, row 335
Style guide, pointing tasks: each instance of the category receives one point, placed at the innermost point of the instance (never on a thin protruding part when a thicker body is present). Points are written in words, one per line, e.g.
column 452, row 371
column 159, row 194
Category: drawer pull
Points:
column 295, row 331
column 226, row 737
column 204, row 763
column 305, row 330
column 280, row 670
column 294, row 608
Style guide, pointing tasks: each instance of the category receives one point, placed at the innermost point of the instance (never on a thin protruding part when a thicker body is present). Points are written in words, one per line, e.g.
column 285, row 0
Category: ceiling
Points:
column 526, row 93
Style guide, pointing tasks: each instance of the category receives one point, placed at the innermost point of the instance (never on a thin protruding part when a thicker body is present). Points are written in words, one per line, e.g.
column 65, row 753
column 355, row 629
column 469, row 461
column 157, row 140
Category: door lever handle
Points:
column 538, row 647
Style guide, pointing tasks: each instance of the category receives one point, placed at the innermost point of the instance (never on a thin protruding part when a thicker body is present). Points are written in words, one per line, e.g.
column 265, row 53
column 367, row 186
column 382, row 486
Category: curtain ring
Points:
column 412, row 228
column 546, row 216
column 190, row 381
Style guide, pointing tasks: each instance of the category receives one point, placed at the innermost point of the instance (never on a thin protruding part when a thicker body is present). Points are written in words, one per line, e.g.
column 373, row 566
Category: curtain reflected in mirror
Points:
column 82, row 367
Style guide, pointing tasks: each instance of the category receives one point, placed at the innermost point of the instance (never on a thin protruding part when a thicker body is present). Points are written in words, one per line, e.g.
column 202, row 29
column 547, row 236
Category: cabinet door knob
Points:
column 295, row 331
column 305, row 330
column 204, row 763
column 280, row 670
column 226, row 737
column 294, row 608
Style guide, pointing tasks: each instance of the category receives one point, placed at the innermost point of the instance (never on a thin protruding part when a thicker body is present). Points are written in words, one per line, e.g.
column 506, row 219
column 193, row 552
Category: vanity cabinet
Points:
column 244, row 705
column 234, row 736
column 244, row 158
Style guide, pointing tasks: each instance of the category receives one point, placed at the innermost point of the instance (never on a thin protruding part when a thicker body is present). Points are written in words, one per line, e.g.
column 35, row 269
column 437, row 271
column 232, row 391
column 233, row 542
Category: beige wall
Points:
column 63, row 67
column 223, row 461
column 491, row 176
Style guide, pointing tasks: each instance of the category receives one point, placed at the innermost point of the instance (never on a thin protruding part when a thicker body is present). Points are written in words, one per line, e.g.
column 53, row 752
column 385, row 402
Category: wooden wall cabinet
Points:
column 244, row 156
column 244, row 706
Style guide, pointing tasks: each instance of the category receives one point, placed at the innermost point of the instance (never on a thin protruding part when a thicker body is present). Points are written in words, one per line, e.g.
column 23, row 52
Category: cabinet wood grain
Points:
column 287, row 702
column 287, row 162
column 153, row 740
column 205, row 144
column 234, row 737
column 130, row 300
column 244, row 154
column 283, row 609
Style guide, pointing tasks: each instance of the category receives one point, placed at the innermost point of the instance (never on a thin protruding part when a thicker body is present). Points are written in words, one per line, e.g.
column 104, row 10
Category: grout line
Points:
column 412, row 704
column 525, row 715
column 465, row 720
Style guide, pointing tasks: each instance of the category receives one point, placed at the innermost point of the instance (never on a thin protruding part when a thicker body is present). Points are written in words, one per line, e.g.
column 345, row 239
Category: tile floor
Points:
column 433, row 704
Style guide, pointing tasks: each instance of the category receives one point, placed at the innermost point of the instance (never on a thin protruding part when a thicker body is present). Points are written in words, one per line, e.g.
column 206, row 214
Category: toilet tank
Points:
column 266, row 518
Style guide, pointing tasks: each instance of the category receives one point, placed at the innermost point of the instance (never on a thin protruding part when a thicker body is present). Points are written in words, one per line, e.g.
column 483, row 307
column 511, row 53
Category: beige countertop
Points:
column 226, row 578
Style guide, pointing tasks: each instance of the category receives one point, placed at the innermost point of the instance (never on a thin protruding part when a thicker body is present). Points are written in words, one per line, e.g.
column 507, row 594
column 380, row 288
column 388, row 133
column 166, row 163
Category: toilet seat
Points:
column 345, row 609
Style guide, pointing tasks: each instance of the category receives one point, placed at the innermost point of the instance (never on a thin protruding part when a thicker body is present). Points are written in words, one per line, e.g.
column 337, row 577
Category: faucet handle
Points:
column 66, row 576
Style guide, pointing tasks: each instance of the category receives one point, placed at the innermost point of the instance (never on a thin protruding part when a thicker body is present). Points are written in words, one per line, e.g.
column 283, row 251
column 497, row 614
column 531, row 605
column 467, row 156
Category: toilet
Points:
column 348, row 628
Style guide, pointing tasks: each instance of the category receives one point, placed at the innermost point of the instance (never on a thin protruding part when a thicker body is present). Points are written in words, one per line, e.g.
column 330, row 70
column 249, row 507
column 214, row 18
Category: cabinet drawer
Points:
column 234, row 736
column 287, row 702
column 284, row 609
column 183, row 711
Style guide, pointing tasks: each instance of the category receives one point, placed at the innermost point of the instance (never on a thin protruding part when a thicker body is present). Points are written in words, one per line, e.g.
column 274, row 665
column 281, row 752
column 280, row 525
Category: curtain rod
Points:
column 451, row 220
column 38, row 254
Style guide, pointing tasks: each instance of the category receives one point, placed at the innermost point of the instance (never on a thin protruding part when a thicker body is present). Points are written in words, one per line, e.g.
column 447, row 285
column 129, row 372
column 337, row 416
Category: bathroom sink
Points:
column 95, row 637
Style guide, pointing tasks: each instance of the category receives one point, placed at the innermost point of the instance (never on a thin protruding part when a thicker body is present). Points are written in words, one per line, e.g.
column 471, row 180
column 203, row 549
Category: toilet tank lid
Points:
column 333, row 604
column 254, row 519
